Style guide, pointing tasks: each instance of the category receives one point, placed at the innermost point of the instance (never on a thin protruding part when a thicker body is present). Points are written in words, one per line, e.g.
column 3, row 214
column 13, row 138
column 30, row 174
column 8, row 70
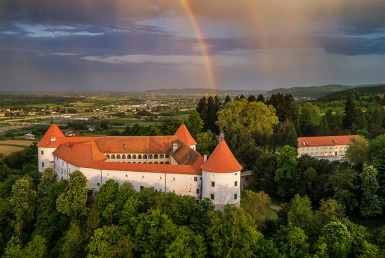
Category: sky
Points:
column 138, row 45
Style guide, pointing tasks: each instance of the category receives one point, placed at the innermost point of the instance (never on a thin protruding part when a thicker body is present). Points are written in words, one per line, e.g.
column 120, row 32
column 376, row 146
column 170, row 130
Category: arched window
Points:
column 139, row 156
column 128, row 156
column 161, row 162
column 167, row 162
column 156, row 162
column 113, row 156
column 118, row 156
column 167, row 156
column 150, row 156
column 108, row 156
column 149, row 162
column 161, row 156
column 134, row 156
column 156, row 156
column 124, row 156
column 144, row 156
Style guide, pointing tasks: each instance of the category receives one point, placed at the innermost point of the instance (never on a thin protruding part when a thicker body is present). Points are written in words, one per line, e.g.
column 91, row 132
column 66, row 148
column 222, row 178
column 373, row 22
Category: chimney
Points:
column 204, row 158
column 174, row 147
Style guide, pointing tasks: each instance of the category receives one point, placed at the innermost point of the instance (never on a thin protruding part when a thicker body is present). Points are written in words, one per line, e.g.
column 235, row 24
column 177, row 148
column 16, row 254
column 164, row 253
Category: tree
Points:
column 194, row 124
column 36, row 248
column 291, row 137
column 232, row 233
column 291, row 241
column 74, row 242
column 370, row 202
column 376, row 156
column 310, row 118
column 263, row 173
column 255, row 116
column 206, row 142
column 343, row 183
column 329, row 209
column 337, row 239
column 323, row 129
column 110, row 242
column 301, row 215
column 73, row 201
column 356, row 153
column 48, row 178
column 283, row 106
column 187, row 244
column 261, row 98
column 203, row 112
column 350, row 114
column 154, row 232
column 23, row 203
column 286, row 164
column 255, row 204
column 104, row 205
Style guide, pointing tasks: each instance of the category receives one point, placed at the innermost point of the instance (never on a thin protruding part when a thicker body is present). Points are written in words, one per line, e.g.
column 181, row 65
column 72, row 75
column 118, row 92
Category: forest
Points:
column 327, row 209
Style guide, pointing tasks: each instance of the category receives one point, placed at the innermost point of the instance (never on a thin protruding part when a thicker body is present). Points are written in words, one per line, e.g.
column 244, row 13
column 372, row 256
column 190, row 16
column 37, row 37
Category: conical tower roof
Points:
column 222, row 160
column 184, row 135
column 51, row 135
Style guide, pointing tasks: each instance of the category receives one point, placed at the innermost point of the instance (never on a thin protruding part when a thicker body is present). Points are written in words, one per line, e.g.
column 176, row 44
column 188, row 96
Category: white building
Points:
column 167, row 163
column 333, row 147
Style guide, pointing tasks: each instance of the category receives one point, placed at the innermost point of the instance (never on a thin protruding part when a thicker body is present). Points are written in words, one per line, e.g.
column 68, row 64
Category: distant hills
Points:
column 311, row 92
column 360, row 91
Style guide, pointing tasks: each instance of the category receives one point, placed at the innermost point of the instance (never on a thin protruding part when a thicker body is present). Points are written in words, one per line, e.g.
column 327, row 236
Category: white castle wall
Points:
column 179, row 183
column 44, row 158
column 226, row 189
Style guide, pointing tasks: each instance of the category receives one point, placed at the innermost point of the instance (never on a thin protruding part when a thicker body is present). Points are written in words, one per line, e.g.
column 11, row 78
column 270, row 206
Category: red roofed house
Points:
column 324, row 146
column 167, row 163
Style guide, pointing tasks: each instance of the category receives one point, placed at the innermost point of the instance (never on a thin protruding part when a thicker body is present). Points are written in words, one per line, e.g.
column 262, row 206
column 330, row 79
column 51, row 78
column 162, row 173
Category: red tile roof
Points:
column 184, row 135
column 324, row 140
column 88, row 155
column 54, row 137
column 222, row 160
column 136, row 144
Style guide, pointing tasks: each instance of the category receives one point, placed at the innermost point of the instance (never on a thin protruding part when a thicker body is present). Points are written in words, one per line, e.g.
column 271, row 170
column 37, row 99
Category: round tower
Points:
column 47, row 145
column 221, row 177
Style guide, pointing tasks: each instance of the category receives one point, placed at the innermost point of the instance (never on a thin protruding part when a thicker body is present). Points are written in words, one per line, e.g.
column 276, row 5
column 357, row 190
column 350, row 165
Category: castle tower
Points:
column 184, row 135
column 47, row 145
column 221, row 177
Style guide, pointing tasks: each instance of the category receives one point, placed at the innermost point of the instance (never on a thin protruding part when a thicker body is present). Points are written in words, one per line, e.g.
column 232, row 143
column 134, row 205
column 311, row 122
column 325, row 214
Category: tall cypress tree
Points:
column 350, row 110
column 227, row 99
column 202, row 110
column 261, row 98
column 211, row 114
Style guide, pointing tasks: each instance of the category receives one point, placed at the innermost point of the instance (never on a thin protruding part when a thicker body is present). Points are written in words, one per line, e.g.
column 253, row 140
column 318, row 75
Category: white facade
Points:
column 222, row 188
column 336, row 150
column 45, row 158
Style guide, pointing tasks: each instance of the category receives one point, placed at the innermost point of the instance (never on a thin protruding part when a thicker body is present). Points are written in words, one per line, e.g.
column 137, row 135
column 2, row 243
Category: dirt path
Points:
column 275, row 207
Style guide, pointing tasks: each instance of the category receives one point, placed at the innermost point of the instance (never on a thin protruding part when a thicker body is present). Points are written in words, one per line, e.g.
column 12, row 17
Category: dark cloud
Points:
column 354, row 46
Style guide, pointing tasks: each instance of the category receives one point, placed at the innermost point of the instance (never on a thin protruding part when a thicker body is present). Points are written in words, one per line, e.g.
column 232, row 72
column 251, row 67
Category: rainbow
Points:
column 202, row 44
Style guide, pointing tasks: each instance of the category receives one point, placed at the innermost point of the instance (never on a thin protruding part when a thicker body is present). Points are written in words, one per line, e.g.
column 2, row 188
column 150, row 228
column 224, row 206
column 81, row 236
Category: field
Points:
column 9, row 146
column 6, row 150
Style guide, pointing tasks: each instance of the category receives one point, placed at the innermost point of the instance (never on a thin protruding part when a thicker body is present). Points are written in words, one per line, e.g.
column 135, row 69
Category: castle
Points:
column 167, row 163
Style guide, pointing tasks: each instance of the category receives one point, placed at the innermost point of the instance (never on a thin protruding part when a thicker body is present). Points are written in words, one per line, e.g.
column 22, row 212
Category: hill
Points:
column 312, row 92
column 357, row 92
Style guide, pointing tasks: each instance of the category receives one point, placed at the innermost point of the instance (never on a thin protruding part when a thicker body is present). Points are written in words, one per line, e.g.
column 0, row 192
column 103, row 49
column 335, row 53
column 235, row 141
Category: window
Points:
column 172, row 178
column 139, row 156
column 212, row 196
column 160, row 178
column 212, row 183
column 167, row 156
column 236, row 183
column 98, row 184
column 195, row 178
column 124, row 156
column 144, row 156
column 118, row 156
column 236, row 173
column 156, row 156
column 62, row 163
column 197, row 191
column 150, row 156
column 42, row 164
column 113, row 156
column 42, row 152
column 235, row 196
column 161, row 156
column 141, row 187
column 134, row 156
